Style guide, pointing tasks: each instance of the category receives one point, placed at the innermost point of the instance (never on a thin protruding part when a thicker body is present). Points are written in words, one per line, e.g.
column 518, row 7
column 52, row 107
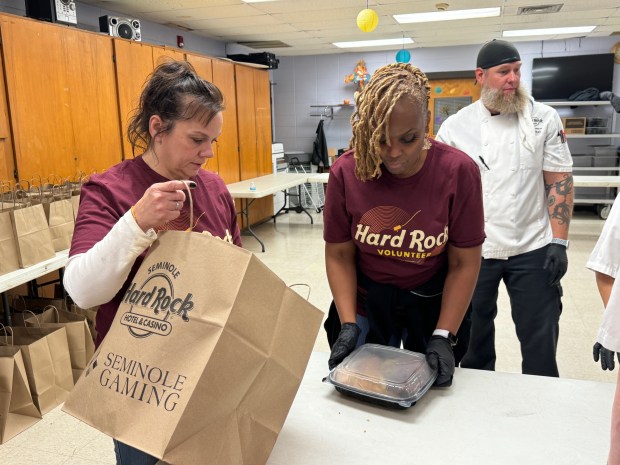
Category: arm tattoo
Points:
column 562, row 210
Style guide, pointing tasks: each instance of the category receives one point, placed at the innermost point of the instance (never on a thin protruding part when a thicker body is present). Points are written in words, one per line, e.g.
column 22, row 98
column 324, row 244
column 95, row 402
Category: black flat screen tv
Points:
column 557, row 78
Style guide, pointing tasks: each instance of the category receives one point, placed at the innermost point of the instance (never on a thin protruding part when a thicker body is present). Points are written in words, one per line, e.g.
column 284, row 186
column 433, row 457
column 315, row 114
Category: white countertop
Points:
column 484, row 418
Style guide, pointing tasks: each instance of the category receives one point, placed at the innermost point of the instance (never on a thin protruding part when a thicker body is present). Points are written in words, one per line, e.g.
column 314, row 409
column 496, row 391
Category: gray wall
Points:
column 319, row 79
column 152, row 33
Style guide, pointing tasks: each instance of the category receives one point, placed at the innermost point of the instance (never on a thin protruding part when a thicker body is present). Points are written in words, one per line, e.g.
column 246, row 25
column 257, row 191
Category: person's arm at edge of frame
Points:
column 463, row 268
column 604, row 283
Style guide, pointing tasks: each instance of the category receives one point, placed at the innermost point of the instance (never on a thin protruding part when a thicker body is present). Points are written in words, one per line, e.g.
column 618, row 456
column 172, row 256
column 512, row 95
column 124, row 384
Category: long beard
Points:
column 495, row 100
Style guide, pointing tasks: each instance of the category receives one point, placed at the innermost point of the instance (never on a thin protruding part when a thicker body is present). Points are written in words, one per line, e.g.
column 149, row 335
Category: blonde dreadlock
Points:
column 371, row 118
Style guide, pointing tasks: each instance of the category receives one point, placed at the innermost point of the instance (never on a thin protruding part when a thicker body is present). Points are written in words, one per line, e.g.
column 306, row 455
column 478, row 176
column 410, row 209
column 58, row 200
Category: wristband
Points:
column 557, row 240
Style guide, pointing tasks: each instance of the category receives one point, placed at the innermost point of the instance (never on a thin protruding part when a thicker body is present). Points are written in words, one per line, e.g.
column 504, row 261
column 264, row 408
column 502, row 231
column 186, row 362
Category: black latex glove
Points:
column 556, row 263
column 344, row 344
column 606, row 356
column 440, row 357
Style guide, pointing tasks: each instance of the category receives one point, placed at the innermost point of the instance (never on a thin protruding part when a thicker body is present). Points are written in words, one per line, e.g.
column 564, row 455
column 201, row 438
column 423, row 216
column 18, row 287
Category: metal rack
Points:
column 312, row 194
column 588, row 165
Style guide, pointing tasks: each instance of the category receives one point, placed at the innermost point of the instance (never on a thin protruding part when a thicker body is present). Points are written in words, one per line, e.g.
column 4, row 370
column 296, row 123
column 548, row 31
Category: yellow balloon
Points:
column 367, row 20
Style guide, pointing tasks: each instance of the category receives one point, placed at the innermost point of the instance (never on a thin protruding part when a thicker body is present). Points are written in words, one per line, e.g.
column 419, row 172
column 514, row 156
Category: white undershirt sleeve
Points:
column 95, row 277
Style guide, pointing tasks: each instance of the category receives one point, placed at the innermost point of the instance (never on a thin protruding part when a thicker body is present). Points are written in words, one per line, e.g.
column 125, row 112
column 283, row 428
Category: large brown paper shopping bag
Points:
column 59, row 213
column 47, row 362
column 17, row 411
column 204, row 357
column 79, row 339
column 91, row 317
column 34, row 241
column 9, row 259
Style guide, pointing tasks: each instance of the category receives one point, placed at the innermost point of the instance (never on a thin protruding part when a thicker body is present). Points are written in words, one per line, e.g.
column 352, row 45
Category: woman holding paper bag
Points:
column 178, row 119
column 403, row 228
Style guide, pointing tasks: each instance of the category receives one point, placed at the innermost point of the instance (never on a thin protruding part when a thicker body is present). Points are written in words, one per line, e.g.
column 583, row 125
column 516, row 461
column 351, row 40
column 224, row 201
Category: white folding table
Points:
column 264, row 186
column 484, row 418
column 24, row 275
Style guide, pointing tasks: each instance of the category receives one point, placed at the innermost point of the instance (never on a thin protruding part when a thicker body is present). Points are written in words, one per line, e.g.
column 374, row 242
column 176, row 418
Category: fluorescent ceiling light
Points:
column 257, row 1
column 447, row 15
column 374, row 43
column 548, row 31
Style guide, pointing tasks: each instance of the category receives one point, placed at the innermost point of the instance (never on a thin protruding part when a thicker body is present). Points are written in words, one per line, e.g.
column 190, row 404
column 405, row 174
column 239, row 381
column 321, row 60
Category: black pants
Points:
column 536, row 309
column 392, row 311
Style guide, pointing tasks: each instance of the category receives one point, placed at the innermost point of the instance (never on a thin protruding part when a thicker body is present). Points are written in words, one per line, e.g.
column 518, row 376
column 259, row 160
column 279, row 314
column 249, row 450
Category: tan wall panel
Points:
column 38, row 94
column 134, row 63
column 93, row 102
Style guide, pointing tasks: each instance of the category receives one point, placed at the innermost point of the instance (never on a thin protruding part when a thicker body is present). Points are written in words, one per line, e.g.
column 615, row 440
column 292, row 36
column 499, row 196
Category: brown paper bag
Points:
column 79, row 339
column 34, row 241
column 47, row 362
column 9, row 260
column 36, row 304
column 75, row 204
column 17, row 411
column 91, row 317
column 209, row 345
column 61, row 222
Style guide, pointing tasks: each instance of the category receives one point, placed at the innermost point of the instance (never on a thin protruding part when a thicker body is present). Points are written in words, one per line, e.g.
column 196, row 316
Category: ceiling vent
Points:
column 260, row 44
column 540, row 9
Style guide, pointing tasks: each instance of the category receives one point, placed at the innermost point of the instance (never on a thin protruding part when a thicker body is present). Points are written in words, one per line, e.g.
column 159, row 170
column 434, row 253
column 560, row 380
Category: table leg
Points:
column 7, row 310
column 245, row 213
column 298, row 209
column 61, row 276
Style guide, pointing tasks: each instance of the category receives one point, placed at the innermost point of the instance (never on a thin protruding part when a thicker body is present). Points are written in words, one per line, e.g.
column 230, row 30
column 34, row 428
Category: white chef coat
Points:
column 605, row 258
column 515, row 205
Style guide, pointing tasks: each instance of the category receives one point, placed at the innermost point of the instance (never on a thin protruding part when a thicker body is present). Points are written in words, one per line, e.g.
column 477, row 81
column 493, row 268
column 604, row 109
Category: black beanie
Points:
column 497, row 52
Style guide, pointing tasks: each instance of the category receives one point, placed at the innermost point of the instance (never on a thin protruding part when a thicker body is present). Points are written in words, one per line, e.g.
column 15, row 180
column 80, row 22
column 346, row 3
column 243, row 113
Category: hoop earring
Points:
column 427, row 143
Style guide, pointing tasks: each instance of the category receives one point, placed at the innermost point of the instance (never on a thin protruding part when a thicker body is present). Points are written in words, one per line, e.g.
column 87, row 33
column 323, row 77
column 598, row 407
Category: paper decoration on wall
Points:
column 616, row 51
column 403, row 56
column 438, row 90
column 367, row 20
column 360, row 76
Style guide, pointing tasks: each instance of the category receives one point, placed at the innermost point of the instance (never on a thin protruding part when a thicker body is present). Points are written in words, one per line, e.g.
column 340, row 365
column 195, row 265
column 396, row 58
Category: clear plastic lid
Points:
column 386, row 374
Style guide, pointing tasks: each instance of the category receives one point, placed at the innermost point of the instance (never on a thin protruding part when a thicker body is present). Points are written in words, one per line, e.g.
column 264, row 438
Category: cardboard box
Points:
column 574, row 125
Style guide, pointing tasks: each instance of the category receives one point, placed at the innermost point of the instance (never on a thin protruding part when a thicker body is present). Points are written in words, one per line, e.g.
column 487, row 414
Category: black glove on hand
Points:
column 606, row 355
column 440, row 357
column 556, row 263
column 344, row 344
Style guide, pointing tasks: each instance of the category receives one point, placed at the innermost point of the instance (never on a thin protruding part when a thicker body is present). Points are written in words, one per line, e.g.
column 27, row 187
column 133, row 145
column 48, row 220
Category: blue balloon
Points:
column 403, row 56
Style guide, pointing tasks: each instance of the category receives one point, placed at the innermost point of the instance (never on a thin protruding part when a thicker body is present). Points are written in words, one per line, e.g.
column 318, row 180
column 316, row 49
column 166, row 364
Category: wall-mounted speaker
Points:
column 117, row 26
column 55, row 11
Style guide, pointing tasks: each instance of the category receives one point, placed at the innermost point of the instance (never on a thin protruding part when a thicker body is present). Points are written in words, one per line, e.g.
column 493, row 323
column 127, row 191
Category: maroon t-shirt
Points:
column 106, row 197
column 401, row 227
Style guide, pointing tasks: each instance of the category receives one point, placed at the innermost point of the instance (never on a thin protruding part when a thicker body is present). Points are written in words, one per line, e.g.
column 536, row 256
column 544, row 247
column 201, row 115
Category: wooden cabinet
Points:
column 63, row 121
column 254, row 119
column 7, row 164
column 134, row 62
column 70, row 95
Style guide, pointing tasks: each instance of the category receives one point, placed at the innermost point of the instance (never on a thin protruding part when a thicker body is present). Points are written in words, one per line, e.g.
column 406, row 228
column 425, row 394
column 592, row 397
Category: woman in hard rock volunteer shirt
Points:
column 403, row 229
column 178, row 119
